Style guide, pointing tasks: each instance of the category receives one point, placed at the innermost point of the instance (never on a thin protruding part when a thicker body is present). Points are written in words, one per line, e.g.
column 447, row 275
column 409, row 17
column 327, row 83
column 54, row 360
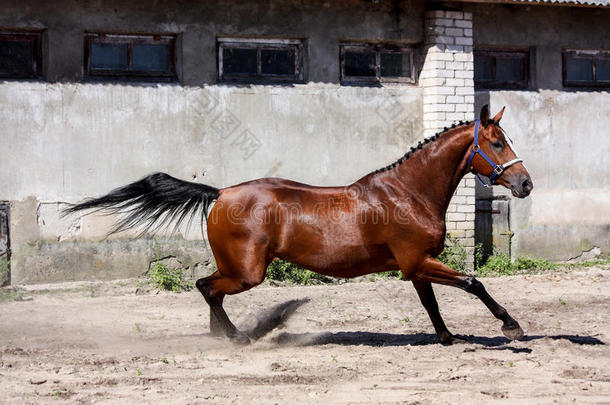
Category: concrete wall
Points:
column 562, row 134
column 64, row 139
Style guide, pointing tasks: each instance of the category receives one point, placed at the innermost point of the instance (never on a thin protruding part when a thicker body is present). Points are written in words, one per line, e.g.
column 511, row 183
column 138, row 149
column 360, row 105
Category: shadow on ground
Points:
column 279, row 314
column 416, row 339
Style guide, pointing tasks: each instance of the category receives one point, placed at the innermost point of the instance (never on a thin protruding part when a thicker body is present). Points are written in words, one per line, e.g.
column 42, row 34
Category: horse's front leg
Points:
column 428, row 300
column 433, row 271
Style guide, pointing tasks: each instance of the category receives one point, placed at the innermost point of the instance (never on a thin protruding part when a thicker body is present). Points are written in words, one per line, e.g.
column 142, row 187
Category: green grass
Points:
column 4, row 272
column 589, row 263
column 454, row 255
column 282, row 270
column 162, row 276
column 166, row 278
column 500, row 264
column 10, row 294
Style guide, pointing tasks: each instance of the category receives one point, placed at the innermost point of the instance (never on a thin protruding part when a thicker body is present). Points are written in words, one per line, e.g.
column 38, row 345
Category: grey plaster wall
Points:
column 561, row 133
column 66, row 139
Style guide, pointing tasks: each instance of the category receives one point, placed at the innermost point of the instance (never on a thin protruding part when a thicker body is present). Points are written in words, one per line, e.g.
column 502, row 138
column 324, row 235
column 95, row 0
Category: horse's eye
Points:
column 497, row 144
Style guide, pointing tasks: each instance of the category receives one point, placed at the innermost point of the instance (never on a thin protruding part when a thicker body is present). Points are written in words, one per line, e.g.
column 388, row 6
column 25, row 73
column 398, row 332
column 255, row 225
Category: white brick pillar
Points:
column 447, row 81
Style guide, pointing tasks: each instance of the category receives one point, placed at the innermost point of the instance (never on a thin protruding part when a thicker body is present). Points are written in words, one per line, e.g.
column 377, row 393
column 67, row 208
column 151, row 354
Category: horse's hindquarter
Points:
column 319, row 228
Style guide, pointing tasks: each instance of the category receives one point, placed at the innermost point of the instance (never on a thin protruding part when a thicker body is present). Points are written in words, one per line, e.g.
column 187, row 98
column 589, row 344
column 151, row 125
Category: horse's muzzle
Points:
column 522, row 187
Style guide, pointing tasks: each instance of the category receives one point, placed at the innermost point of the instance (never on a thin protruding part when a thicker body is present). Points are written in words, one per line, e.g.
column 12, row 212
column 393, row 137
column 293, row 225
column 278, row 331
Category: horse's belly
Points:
column 341, row 260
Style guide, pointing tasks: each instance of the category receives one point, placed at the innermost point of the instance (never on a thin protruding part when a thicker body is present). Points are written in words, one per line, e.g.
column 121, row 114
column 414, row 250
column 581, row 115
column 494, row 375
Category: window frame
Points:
column 504, row 85
column 591, row 54
column 169, row 75
column 378, row 48
column 296, row 45
column 35, row 36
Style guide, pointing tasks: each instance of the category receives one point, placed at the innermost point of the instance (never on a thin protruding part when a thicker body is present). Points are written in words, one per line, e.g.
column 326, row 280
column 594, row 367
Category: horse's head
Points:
column 493, row 156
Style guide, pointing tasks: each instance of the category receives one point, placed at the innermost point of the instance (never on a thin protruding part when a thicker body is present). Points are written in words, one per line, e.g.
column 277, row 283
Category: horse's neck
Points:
column 433, row 173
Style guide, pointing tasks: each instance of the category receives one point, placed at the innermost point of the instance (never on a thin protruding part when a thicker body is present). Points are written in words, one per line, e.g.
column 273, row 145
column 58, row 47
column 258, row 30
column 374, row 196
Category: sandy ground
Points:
column 367, row 342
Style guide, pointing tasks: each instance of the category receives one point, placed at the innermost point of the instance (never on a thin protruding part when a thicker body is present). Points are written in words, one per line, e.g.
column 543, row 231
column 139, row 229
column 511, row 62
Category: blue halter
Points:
column 497, row 169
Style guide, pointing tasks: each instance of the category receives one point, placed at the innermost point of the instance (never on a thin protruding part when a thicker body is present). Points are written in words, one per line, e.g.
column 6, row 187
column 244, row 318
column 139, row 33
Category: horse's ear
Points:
column 498, row 116
column 485, row 115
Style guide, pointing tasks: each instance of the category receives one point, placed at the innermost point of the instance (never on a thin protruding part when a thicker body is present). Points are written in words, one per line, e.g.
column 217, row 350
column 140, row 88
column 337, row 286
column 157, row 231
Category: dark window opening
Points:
column 501, row 69
column 20, row 54
column 360, row 64
column 239, row 61
column 395, row 65
column 260, row 60
column 586, row 68
column 142, row 57
column 277, row 62
column 376, row 63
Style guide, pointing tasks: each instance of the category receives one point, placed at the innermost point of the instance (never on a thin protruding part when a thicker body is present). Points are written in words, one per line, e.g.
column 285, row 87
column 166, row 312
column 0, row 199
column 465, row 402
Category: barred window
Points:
column 139, row 56
column 586, row 68
column 501, row 68
column 260, row 60
column 20, row 54
column 376, row 63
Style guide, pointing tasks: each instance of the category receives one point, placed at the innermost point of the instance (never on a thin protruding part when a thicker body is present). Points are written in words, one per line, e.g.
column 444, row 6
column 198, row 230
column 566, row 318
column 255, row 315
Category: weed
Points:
column 334, row 358
column 511, row 364
column 281, row 270
column 138, row 328
column 168, row 279
column 500, row 264
column 4, row 272
column 562, row 301
column 163, row 360
column 589, row 263
column 454, row 255
column 528, row 263
column 330, row 302
column 391, row 274
column 139, row 372
column 406, row 319
column 9, row 294
column 165, row 278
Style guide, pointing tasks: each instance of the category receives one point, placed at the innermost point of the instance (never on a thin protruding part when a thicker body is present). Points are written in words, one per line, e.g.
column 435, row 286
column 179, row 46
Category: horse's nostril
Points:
column 526, row 185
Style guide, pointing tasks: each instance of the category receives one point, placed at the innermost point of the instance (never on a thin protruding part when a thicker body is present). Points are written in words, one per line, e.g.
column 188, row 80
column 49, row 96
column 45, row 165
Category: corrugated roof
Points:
column 576, row 3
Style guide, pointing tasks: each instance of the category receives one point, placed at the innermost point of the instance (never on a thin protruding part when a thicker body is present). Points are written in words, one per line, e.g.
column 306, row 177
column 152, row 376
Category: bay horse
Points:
column 390, row 219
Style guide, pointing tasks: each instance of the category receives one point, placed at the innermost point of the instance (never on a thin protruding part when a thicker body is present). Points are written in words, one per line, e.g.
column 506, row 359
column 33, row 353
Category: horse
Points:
column 391, row 219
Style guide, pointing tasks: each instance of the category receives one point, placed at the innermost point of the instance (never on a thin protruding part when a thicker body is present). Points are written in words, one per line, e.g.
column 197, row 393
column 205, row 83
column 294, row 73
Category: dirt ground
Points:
column 366, row 342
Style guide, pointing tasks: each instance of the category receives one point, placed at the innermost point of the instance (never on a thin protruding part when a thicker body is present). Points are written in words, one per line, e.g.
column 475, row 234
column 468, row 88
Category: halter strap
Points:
column 497, row 169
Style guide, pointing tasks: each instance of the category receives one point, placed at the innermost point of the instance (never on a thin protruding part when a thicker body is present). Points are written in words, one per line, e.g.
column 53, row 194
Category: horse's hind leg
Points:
column 428, row 300
column 203, row 284
column 235, row 274
column 433, row 271
column 214, row 288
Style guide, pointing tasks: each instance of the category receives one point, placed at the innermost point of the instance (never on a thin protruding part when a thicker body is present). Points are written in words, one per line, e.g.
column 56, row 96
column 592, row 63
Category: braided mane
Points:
column 421, row 144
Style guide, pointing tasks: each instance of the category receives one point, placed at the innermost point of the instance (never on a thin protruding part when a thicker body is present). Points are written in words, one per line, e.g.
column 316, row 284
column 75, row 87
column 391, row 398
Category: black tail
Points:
column 152, row 203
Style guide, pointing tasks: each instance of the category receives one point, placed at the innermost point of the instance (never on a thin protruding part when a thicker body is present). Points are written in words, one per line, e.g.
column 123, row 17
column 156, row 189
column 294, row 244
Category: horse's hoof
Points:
column 447, row 339
column 240, row 339
column 513, row 332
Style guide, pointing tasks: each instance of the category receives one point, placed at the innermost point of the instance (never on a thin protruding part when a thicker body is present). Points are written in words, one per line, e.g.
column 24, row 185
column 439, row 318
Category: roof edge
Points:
column 560, row 3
